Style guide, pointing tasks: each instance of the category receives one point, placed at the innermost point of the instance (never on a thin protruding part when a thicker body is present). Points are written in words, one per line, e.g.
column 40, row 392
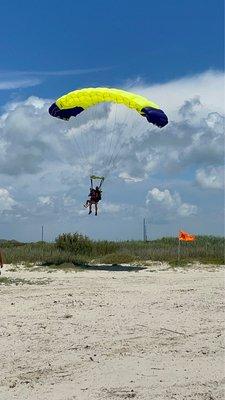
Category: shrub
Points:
column 74, row 243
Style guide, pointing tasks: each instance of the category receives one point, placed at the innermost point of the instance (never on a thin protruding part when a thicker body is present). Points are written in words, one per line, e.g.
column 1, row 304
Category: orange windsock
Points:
column 186, row 237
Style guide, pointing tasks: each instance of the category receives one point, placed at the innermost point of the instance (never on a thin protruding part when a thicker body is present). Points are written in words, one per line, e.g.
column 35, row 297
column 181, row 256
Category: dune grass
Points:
column 4, row 280
column 75, row 249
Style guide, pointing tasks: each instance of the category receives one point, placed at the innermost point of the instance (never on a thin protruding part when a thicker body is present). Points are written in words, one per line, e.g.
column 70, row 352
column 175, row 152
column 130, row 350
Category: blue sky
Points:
column 157, row 41
column 50, row 47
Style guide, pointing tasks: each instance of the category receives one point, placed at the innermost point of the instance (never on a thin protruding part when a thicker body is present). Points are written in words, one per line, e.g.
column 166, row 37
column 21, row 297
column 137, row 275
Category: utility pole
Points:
column 144, row 231
column 42, row 233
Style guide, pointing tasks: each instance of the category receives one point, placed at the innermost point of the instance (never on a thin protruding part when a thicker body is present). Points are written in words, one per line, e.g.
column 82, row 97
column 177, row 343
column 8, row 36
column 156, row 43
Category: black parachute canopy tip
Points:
column 155, row 116
column 65, row 114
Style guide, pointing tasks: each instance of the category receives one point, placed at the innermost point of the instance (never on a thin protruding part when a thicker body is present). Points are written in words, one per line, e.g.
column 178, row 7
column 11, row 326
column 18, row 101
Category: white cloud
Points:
column 45, row 200
column 6, row 201
column 21, row 79
column 111, row 208
column 167, row 205
column 163, row 197
column 27, row 137
column 210, row 177
column 108, row 138
column 48, row 161
column 18, row 83
column 75, row 71
column 127, row 178
column 208, row 87
column 185, row 209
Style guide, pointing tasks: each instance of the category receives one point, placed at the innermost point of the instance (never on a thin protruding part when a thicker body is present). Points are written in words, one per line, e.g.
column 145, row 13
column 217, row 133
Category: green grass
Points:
column 71, row 250
column 117, row 258
column 4, row 280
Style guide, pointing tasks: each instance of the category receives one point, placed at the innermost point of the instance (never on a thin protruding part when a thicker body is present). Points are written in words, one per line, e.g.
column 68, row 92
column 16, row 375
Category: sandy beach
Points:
column 153, row 334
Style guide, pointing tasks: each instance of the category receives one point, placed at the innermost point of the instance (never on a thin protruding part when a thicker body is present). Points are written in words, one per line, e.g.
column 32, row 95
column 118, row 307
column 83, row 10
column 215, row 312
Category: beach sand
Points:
column 156, row 334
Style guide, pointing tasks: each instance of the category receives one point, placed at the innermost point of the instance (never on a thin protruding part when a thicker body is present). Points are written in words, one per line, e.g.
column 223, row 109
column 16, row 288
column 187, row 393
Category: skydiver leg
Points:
column 90, row 207
column 96, row 208
column 86, row 204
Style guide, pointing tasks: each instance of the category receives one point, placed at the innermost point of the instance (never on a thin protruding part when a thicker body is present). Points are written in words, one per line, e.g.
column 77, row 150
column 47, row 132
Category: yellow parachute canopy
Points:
column 90, row 97
column 73, row 103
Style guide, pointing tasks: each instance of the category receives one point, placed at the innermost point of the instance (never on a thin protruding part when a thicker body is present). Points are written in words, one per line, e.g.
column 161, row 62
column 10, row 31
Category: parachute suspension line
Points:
column 86, row 142
column 117, row 146
column 84, row 145
column 116, row 157
column 114, row 142
column 122, row 145
column 92, row 140
column 74, row 103
column 114, row 138
column 121, row 148
column 89, row 139
column 95, row 141
column 79, row 148
column 111, row 137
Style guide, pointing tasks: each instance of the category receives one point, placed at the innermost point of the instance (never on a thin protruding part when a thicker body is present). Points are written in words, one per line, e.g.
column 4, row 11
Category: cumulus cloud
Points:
column 49, row 161
column 26, row 137
column 210, row 177
column 207, row 87
column 194, row 136
column 190, row 107
column 167, row 205
column 6, row 200
column 108, row 137
column 184, row 144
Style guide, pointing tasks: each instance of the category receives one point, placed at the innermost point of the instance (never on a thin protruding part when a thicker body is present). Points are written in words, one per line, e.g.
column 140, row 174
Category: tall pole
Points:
column 42, row 233
column 178, row 253
column 144, row 231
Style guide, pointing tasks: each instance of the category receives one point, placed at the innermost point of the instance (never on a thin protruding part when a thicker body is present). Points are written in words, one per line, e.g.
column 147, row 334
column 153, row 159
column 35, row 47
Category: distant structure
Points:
column 1, row 260
column 145, row 238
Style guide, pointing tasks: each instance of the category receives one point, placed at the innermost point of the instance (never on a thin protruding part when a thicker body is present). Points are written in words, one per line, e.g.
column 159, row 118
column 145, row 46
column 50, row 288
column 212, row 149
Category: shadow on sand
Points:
column 111, row 267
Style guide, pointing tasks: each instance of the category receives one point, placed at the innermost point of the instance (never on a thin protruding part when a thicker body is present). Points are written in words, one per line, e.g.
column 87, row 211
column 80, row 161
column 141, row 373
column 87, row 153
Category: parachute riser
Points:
column 98, row 178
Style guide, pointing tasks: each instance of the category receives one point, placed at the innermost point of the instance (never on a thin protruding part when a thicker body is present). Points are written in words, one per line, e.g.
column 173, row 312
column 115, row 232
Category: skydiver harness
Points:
column 96, row 194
